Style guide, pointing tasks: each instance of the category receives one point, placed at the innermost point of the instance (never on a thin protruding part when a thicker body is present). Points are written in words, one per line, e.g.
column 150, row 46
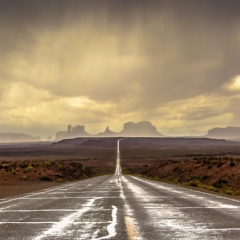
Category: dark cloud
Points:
column 142, row 54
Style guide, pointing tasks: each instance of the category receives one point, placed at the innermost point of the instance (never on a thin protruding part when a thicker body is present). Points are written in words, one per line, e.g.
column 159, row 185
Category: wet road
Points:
column 119, row 207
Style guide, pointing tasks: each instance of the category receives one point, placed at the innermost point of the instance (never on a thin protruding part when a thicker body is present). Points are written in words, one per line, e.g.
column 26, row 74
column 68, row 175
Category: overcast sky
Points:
column 105, row 62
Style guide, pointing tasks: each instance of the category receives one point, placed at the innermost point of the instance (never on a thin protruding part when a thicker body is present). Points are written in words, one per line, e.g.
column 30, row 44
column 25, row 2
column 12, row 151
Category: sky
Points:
column 102, row 63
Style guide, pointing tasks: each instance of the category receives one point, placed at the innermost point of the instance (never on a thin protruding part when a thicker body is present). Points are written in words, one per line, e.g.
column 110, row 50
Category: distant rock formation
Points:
column 72, row 132
column 61, row 135
column 224, row 133
column 18, row 137
column 107, row 133
column 130, row 129
column 76, row 131
column 49, row 138
column 140, row 129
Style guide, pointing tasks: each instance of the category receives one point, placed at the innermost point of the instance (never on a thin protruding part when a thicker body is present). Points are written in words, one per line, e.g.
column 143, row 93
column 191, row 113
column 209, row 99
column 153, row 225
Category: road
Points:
column 119, row 207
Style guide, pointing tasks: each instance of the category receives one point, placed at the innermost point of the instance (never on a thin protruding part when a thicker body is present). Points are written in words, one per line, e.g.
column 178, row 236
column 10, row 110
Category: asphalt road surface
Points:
column 119, row 207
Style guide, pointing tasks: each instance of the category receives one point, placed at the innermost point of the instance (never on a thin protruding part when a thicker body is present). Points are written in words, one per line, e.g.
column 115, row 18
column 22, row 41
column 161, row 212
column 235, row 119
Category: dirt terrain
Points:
column 210, row 164
column 26, row 168
column 205, row 163
column 22, row 174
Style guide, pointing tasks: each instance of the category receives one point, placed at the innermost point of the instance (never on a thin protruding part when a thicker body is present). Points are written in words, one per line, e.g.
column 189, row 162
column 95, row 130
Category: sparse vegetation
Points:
column 28, row 169
column 48, row 171
column 24, row 177
column 47, row 164
column 210, row 168
column 213, row 173
column 195, row 184
column 210, row 188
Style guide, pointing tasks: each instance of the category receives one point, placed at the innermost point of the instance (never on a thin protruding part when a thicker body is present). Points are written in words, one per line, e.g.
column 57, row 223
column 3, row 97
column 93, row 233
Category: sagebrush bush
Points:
column 210, row 188
column 228, row 191
column 47, row 164
column 24, row 177
column 28, row 169
column 195, row 184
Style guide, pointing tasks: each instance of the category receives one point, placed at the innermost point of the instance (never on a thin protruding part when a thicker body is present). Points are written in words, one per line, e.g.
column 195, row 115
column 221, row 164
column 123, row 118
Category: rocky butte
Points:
column 232, row 133
column 107, row 133
column 130, row 129
column 140, row 129
column 72, row 132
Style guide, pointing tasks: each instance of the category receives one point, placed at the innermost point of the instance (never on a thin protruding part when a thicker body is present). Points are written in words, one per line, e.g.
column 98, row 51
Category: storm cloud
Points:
column 100, row 63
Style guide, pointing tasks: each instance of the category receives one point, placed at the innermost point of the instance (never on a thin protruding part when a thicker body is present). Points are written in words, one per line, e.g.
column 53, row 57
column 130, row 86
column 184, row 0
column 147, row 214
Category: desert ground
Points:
column 211, row 165
column 25, row 168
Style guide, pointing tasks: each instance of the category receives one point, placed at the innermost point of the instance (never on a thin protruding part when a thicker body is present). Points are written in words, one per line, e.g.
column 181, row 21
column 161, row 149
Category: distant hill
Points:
column 17, row 137
column 86, row 142
column 166, row 145
column 225, row 133
column 140, row 129
column 177, row 142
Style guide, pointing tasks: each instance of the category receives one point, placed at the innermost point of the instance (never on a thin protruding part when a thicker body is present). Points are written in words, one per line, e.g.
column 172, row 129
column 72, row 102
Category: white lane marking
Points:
column 66, row 186
column 70, row 222
column 185, row 189
column 9, row 206
column 57, row 193
column 64, row 198
column 118, row 170
column 130, row 221
column 166, row 218
column 112, row 226
column 58, row 228
column 231, row 207
column 52, row 210
column 87, row 222
column 173, row 217
column 205, row 201
column 218, row 229
column 211, row 230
